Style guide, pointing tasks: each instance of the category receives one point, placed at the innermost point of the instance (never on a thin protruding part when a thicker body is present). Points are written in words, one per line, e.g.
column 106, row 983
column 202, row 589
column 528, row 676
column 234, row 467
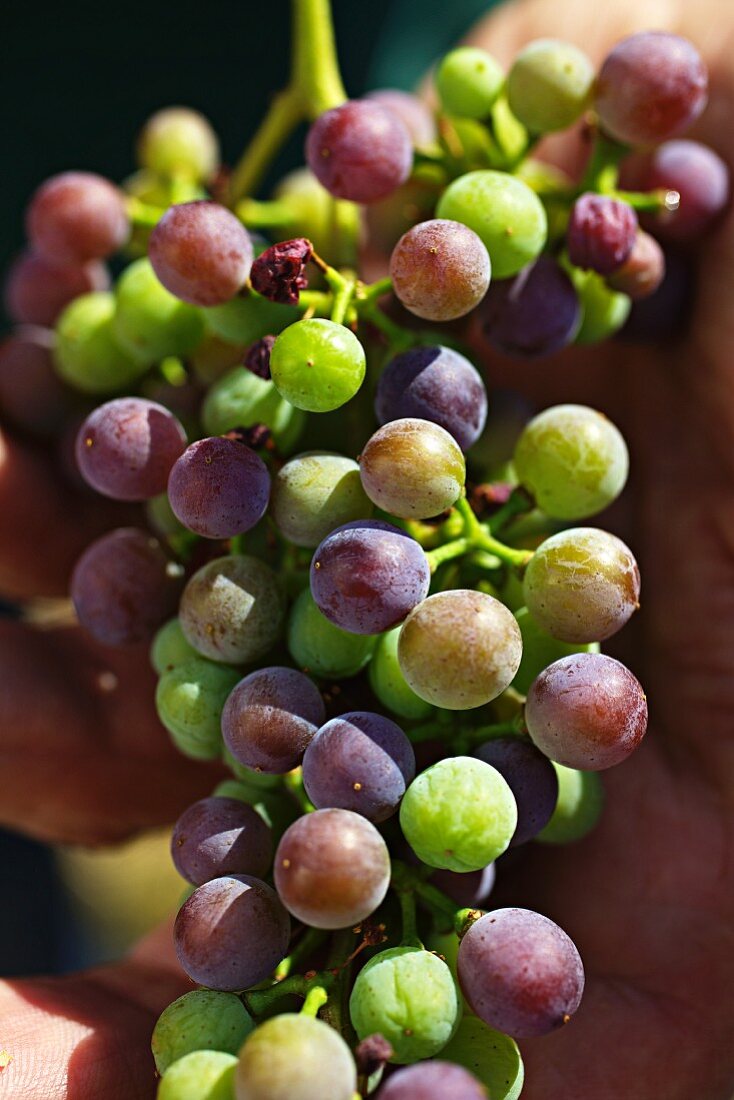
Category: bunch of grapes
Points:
column 399, row 667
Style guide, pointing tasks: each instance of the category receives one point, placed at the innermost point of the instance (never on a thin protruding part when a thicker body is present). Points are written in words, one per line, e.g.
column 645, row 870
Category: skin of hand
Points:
column 648, row 896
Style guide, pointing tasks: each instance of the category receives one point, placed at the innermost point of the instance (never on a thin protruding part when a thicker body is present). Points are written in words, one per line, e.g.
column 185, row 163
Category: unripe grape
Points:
column 177, row 141
column 412, row 468
column 317, row 364
column 468, row 82
column 549, row 85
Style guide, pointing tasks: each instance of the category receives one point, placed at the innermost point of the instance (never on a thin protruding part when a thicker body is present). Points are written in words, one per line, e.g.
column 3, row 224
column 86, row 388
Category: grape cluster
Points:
column 384, row 620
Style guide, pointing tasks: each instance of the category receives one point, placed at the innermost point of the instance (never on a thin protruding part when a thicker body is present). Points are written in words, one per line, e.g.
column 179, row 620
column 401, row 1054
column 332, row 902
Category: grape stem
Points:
column 308, row 943
column 406, row 897
column 316, row 998
column 476, row 536
column 602, row 170
column 517, row 504
column 315, row 86
column 650, row 202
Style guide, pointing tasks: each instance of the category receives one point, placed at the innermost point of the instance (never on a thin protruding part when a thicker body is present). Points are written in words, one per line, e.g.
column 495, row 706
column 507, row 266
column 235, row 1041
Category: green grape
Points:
column 317, row 365
column 459, row 649
column 149, row 323
column 189, row 700
column 261, row 781
column 459, row 814
column 446, row 944
column 389, row 684
column 540, row 649
column 579, row 806
column 503, row 211
column 161, row 518
column 87, row 355
column 573, row 460
column 233, row 609
column 582, row 585
column 277, row 812
column 322, row 649
column 491, row 1056
column 201, row 1075
column 200, row 1020
column 409, row 996
column 234, row 788
column 549, row 85
column 311, row 210
column 249, row 317
column 314, row 493
column 604, row 311
column 294, row 1057
column 178, row 142
column 169, row 648
column 468, row 82
column 240, row 399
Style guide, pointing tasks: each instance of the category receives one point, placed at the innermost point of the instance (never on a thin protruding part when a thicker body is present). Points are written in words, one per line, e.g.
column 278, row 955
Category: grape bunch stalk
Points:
column 369, row 586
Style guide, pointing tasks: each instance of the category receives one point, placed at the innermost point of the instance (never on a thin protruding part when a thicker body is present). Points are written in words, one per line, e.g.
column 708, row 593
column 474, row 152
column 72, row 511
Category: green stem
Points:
column 518, row 559
column 650, row 202
column 293, row 783
column 264, row 215
column 315, row 73
column 436, row 900
column 603, row 167
column 370, row 292
column 398, row 338
column 454, row 549
column 308, row 943
column 407, row 912
column 284, row 114
column 142, row 215
column 342, row 299
column 517, row 504
column 316, row 998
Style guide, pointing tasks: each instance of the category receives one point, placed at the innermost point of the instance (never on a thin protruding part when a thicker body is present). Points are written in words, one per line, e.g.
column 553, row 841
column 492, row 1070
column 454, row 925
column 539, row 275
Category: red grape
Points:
column 601, row 233
column 75, row 217
column 440, row 270
column 201, row 253
column 37, row 290
column 220, row 836
column 219, row 488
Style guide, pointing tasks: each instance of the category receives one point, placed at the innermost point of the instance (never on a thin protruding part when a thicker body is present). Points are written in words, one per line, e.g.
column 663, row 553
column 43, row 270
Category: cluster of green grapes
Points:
column 400, row 669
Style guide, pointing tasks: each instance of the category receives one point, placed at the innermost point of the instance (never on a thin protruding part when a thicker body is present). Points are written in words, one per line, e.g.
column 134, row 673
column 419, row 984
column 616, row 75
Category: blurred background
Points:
column 77, row 83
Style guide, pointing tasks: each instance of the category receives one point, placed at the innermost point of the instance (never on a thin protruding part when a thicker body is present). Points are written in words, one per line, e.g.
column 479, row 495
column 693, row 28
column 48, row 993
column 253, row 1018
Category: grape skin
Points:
column 169, row 648
column 75, row 217
column 220, row 836
column 492, row 1056
column 436, row 384
column 601, row 233
column 468, row 82
column 177, row 141
column 359, row 761
column 317, row 364
column 125, row 448
column 294, row 1057
column 504, row 213
column 240, row 399
column 533, row 315
column 200, row 1020
column 459, row 649
column 520, row 972
column 232, row 609
column 201, row 253
column 359, row 151
column 582, row 585
column 86, row 354
column 412, row 468
column 459, row 814
column 367, row 575
column 643, row 271
column 573, row 460
column 603, row 310
column 32, row 396
column 204, row 1074
column 314, row 493
column 434, row 1080
column 321, row 648
column 412, row 112
column 122, row 587
column 36, row 290
column 651, row 86
column 540, row 649
column 586, row 711
column 219, row 488
column 149, row 322
column 332, row 869
column 549, row 85
column 531, row 778
column 407, row 995
column 389, row 684
column 189, row 700
column 270, row 719
column 231, row 933
column 440, row 270
column 579, row 806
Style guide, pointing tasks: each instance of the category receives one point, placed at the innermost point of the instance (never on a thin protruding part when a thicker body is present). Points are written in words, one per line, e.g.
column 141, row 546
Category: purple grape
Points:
column 643, row 271
column 219, row 488
column 332, row 868
column 534, row 314
column 359, row 761
column 123, row 587
column 359, row 151
column 586, row 711
column 601, row 233
column 231, row 933
column 75, row 217
column 432, row 1080
column 650, row 87
column 270, row 719
column 367, row 576
column 520, row 972
column 440, row 270
column 436, row 384
column 412, row 112
column 466, row 888
column 696, row 172
column 32, row 396
column 36, row 290
column 125, row 449
column 530, row 776
column 667, row 309
column 221, row 836
column 201, row 253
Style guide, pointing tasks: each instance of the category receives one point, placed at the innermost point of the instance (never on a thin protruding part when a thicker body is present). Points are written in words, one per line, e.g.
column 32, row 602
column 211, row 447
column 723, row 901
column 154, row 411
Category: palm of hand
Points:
column 646, row 896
